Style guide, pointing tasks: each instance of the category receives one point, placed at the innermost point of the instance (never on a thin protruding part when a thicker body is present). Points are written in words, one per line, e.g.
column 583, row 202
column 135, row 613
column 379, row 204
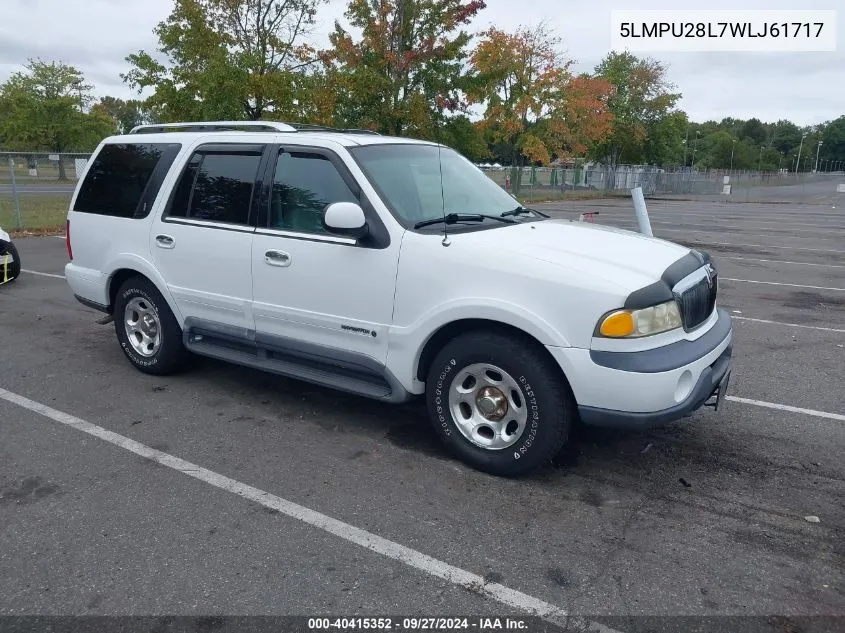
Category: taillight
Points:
column 67, row 240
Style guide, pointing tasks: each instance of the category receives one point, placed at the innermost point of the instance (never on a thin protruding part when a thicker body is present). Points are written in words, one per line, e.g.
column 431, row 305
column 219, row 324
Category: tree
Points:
column 406, row 70
column 754, row 132
column 227, row 59
column 533, row 103
column 44, row 108
column 833, row 139
column 641, row 99
column 125, row 114
column 465, row 137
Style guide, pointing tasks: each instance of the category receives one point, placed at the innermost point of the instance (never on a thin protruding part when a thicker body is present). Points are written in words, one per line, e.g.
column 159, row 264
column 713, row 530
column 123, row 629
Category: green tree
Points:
column 465, row 137
column 754, row 132
column 833, row 139
column 227, row 59
column 642, row 97
column 45, row 108
column 125, row 114
column 406, row 69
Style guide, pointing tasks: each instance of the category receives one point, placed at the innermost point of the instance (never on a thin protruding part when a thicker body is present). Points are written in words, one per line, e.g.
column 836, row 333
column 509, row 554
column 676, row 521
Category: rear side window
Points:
column 124, row 179
column 217, row 187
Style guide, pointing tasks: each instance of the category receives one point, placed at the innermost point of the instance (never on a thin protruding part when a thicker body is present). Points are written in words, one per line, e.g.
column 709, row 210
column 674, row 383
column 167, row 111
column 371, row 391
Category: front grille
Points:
column 697, row 303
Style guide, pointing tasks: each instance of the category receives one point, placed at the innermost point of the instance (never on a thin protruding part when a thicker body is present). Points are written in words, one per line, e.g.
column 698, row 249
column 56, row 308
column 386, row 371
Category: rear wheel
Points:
column 498, row 402
column 147, row 331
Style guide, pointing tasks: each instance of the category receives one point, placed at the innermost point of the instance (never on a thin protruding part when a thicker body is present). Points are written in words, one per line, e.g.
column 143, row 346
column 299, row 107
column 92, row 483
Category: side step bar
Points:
column 293, row 365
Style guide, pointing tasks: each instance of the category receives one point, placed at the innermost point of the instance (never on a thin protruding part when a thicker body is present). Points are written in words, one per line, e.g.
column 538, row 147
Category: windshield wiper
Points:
column 521, row 209
column 453, row 218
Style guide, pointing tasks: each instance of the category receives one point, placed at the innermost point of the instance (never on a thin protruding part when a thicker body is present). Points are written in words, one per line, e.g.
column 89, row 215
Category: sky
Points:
column 807, row 88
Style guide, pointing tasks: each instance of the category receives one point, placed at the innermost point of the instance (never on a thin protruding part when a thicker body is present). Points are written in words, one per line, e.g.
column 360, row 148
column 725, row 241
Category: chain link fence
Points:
column 36, row 188
column 714, row 184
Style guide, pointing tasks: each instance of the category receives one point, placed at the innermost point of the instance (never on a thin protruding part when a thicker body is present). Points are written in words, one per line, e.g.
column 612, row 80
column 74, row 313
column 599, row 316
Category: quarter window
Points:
column 119, row 183
column 303, row 186
column 217, row 187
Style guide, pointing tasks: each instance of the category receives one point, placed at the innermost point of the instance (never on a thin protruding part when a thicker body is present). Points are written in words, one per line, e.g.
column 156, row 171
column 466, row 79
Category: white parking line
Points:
column 780, row 283
column 807, row 327
column 61, row 237
column 781, row 261
column 35, row 272
column 786, row 407
column 422, row 562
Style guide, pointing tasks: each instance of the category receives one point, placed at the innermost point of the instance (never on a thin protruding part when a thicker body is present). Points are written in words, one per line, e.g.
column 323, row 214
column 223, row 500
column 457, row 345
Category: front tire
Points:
column 499, row 402
column 147, row 331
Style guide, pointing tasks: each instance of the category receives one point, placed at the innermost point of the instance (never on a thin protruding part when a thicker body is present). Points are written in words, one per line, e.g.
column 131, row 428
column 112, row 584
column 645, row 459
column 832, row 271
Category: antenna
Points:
column 445, row 241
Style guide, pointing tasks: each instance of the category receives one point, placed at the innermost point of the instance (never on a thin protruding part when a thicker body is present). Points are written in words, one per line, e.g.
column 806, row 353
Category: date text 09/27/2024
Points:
column 482, row 624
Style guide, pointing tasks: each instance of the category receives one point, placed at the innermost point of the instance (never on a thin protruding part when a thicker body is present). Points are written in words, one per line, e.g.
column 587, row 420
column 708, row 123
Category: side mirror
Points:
column 346, row 219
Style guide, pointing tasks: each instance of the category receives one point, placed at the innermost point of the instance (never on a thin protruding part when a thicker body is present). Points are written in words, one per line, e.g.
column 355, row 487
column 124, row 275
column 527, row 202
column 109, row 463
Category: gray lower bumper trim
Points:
column 707, row 383
column 670, row 356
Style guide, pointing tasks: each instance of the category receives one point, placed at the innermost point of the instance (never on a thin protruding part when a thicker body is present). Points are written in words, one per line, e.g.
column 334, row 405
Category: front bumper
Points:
column 651, row 387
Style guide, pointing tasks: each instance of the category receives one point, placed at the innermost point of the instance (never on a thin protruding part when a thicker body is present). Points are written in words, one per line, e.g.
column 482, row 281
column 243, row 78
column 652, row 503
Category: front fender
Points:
column 406, row 343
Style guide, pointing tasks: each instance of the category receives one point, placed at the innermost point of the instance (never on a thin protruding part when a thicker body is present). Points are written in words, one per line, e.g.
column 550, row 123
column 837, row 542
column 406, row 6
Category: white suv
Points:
column 391, row 268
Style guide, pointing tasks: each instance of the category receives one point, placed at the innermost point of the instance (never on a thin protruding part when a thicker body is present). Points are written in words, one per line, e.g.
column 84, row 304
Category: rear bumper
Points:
column 651, row 387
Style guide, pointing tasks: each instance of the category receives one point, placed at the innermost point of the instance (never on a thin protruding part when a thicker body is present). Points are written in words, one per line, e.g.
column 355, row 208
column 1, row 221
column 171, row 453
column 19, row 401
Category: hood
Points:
column 626, row 258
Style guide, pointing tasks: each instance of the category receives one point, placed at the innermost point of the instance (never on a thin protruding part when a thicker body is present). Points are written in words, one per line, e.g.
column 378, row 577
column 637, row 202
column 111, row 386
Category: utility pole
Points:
column 760, row 159
column 733, row 145
column 694, row 149
column 818, row 149
column 798, row 160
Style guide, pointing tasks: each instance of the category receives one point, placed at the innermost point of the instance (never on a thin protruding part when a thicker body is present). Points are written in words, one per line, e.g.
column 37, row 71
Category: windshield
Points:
column 408, row 178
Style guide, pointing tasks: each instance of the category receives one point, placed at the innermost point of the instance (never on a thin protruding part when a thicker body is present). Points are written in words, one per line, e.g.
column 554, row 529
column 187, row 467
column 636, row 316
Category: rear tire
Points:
column 147, row 331
column 499, row 402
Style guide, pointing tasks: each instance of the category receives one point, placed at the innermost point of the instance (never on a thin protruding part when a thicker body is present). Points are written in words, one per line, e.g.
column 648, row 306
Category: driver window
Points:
column 303, row 186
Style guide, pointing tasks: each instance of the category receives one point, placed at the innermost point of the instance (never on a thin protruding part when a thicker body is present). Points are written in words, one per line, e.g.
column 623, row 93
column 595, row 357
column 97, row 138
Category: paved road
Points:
column 703, row 518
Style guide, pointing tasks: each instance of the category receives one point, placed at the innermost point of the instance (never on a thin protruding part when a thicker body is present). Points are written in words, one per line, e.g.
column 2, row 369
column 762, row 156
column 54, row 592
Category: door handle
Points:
column 277, row 258
column 164, row 241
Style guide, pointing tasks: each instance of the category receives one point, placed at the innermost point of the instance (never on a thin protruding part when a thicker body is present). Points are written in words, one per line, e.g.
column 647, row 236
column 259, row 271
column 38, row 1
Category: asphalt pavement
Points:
column 703, row 518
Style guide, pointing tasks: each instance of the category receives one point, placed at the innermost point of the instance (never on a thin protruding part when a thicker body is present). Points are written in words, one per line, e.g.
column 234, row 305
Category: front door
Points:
column 311, row 287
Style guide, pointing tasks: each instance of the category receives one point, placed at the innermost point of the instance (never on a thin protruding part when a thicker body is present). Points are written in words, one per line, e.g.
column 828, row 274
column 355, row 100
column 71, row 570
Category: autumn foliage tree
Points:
column 227, row 59
column 533, row 102
column 407, row 67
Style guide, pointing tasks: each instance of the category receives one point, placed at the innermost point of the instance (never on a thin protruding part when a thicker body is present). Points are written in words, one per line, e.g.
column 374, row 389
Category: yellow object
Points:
column 618, row 324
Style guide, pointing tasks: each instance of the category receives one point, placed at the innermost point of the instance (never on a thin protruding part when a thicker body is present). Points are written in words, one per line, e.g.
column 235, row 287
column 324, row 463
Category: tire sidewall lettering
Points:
column 128, row 294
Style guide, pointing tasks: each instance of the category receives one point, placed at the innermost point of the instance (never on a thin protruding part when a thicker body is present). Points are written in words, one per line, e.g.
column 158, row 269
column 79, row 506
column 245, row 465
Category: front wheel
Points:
column 499, row 402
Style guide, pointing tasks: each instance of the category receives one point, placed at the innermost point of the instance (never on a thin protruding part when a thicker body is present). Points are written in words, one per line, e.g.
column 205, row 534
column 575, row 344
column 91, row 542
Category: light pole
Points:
column 733, row 145
column 694, row 149
column 686, row 141
column 818, row 149
column 760, row 159
column 798, row 160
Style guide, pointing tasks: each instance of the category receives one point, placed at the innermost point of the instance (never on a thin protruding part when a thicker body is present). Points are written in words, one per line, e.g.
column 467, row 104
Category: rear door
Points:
column 202, row 243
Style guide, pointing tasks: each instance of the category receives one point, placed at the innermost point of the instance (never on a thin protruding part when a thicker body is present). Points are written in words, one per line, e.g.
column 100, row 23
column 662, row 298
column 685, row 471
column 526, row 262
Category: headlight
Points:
column 634, row 323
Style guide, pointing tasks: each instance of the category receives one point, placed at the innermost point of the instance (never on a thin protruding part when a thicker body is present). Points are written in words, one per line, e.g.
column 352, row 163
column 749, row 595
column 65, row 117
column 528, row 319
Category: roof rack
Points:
column 309, row 127
column 213, row 126
column 245, row 126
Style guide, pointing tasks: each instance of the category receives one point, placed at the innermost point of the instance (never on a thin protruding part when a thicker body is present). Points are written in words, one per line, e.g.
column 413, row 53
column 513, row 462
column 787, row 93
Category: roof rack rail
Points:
column 213, row 126
column 309, row 127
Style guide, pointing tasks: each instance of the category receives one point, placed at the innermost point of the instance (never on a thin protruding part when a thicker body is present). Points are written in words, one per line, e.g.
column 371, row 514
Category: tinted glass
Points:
column 182, row 193
column 118, row 178
column 223, row 187
column 304, row 185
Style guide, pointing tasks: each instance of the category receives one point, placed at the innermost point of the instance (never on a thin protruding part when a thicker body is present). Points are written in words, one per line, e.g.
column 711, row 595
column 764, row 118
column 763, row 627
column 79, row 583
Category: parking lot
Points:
column 224, row 491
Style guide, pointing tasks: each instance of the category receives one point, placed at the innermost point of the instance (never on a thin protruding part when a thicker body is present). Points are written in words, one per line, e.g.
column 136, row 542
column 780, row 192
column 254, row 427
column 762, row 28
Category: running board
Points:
column 291, row 365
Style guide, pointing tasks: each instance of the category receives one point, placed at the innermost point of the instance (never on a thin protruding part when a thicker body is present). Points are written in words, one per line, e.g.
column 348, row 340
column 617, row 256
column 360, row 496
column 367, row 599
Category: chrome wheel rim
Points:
column 143, row 328
column 488, row 406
